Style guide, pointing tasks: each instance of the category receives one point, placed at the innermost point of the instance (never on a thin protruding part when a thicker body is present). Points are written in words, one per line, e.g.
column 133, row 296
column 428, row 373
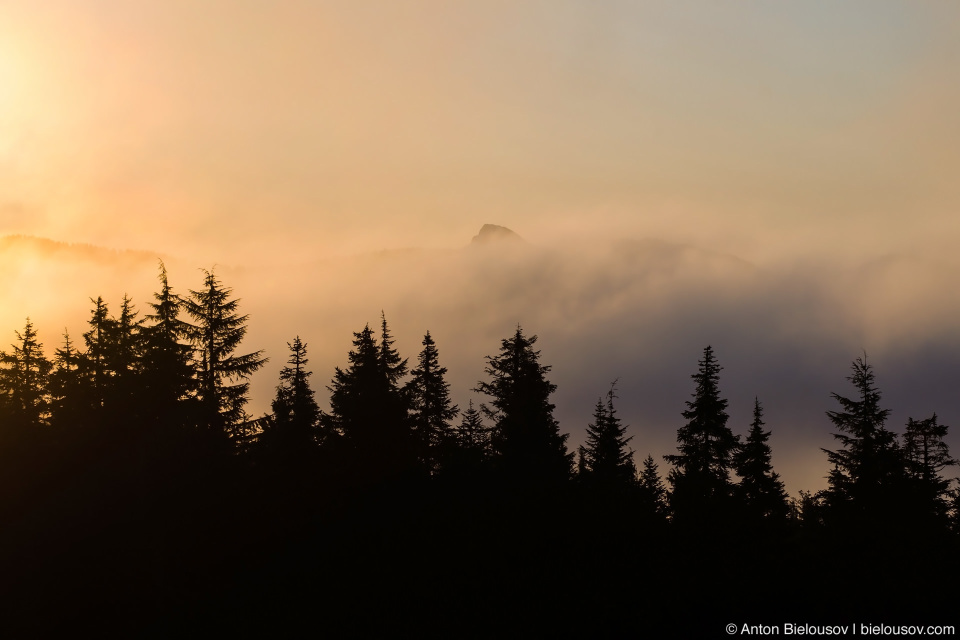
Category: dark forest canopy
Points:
column 181, row 366
column 143, row 421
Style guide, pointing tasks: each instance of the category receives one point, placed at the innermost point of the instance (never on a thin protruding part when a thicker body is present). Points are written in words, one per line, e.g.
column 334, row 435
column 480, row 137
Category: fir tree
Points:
column 122, row 357
column 369, row 411
column 927, row 455
column 168, row 374
column 867, row 471
column 296, row 415
column 431, row 410
column 760, row 488
column 701, row 474
column 526, row 438
column 394, row 367
column 122, row 362
column 469, row 445
column 68, row 404
column 472, row 434
column 606, row 459
column 24, row 379
column 652, row 492
column 221, row 374
column 93, row 362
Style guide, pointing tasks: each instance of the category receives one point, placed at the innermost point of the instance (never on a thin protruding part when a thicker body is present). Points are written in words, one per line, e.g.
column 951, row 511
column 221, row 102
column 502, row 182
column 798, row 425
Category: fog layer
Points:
column 638, row 311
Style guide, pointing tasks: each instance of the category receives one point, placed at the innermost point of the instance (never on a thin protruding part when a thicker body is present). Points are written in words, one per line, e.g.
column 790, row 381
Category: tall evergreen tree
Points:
column 296, row 416
column 368, row 409
column 526, row 438
column 122, row 362
column 867, row 477
column 472, row 434
column 394, row 367
column 701, row 474
column 760, row 488
column 93, row 361
column 607, row 461
column 24, row 381
column 652, row 492
column 467, row 449
column 221, row 373
column 927, row 455
column 168, row 374
column 431, row 410
column 68, row 404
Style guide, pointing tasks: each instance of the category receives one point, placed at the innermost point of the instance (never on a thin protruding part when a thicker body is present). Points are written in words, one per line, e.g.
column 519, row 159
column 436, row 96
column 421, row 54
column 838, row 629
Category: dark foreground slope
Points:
column 116, row 538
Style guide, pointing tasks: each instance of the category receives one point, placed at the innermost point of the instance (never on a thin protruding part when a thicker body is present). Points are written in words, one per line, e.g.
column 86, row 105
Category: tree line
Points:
column 164, row 396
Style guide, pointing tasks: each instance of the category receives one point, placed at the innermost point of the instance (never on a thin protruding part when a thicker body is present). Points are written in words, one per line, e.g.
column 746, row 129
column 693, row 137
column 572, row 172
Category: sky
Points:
column 776, row 179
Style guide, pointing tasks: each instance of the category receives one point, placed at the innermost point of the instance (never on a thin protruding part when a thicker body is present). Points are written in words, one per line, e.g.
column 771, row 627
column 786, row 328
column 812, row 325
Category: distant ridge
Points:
column 48, row 247
column 490, row 233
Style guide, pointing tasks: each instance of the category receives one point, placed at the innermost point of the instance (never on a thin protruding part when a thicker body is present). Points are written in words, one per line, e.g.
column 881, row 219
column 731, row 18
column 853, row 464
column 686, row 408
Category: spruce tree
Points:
column 24, row 379
column 606, row 459
column 760, row 489
column 926, row 455
column 93, row 361
column 296, row 416
column 471, row 433
column 221, row 373
column 867, row 474
column 122, row 360
column 526, row 438
column 431, row 410
column 469, row 444
column 68, row 404
column 368, row 411
column 652, row 492
column 394, row 367
column 700, row 478
column 168, row 374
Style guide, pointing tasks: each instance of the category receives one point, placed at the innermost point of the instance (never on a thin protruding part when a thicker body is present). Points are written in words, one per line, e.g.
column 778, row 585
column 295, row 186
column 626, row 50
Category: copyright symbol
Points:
column 732, row 629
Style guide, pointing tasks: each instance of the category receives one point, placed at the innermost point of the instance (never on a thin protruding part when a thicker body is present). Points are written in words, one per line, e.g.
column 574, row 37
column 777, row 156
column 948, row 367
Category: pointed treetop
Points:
column 393, row 365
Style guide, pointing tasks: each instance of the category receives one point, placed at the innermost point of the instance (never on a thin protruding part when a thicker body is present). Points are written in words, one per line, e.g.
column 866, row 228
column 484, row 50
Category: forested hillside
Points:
column 139, row 496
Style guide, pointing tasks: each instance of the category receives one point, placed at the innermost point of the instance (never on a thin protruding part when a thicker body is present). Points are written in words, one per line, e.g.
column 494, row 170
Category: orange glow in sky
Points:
column 786, row 153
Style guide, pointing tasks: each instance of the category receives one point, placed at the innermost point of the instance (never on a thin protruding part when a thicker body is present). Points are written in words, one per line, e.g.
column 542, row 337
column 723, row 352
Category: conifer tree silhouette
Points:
column 24, row 381
column 221, row 374
column 394, row 367
column 122, row 361
column 368, row 409
column 607, row 461
column 296, row 416
column 168, row 374
column 93, row 361
column 472, row 450
column 760, row 488
column 526, row 438
column 927, row 455
column 431, row 410
column 68, row 404
column 652, row 491
column 868, row 470
column 701, row 475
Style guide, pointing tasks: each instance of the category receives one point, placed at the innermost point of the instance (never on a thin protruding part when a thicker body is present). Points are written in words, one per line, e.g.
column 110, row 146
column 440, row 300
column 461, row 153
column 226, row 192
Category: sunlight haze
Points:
column 775, row 179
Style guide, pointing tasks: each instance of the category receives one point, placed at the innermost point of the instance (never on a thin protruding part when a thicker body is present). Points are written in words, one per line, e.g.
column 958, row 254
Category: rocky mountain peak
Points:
column 495, row 233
